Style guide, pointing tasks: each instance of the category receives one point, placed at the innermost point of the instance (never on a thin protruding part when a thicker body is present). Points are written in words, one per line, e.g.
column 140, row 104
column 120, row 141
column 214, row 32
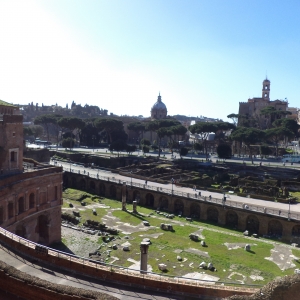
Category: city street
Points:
column 271, row 161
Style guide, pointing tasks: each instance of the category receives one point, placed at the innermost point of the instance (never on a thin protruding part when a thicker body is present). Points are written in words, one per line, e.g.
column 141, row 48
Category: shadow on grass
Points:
column 61, row 246
column 137, row 215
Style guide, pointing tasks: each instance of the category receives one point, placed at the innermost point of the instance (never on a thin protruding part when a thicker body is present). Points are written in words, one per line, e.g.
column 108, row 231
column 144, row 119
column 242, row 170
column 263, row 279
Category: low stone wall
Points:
column 108, row 273
column 31, row 287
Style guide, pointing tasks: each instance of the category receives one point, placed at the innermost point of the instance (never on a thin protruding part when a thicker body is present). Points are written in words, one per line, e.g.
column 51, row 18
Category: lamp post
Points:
column 172, row 180
column 131, row 179
column 70, row 164
column 289, row 210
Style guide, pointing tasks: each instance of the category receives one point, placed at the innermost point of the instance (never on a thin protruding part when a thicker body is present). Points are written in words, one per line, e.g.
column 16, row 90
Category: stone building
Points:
column 159, row 109
column 30, row 193
column 253, row 107
column 11, row 139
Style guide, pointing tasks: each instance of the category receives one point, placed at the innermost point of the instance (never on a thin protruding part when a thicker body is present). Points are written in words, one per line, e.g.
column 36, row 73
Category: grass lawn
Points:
column 167, row 245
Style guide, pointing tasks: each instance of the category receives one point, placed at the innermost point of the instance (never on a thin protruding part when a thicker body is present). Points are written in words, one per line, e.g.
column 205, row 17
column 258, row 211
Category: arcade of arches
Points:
column 234, row 218
column 33, row 209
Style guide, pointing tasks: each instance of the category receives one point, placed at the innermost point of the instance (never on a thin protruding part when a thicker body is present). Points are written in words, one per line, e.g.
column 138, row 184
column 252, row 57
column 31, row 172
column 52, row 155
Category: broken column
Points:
column 124, row 196
column 144, row 256
column 134, row 205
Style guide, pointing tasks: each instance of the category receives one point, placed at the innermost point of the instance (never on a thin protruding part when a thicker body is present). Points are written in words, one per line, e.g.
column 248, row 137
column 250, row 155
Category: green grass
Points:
column 162, row 249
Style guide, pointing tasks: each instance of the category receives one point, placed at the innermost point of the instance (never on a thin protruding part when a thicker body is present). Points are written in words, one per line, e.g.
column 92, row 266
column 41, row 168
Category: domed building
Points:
column 159, row 109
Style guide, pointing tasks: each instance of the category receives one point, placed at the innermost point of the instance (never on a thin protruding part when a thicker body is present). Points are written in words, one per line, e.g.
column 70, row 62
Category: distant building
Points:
column 294, row 113
column 159, row 109
column 253, row 107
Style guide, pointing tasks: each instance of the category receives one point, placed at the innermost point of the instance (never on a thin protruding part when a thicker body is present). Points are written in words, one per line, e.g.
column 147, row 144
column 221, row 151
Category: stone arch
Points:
column 136, row 196
column 112, row 191
column 1, row 214
column 149, row 200
column 21, row 205
column 195, row 211
column 252, row 224
column 92, row 186
column 66, row 180
column 10, row 210
column 31, row 200
column 163, row 204
column 212, row 214
column 82, row 184
column 43, row 229
column 101, row 189
column 296, row 231
column 21, row 231
column 275, row 229
column 73, row 182
column 178, row 207
column 232, row 219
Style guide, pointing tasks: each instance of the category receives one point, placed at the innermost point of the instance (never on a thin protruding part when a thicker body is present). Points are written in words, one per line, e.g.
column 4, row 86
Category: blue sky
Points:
column 204, row 57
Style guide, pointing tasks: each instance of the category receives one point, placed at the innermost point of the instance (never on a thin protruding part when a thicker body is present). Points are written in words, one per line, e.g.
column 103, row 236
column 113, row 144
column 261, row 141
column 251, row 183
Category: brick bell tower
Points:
column 266, row 89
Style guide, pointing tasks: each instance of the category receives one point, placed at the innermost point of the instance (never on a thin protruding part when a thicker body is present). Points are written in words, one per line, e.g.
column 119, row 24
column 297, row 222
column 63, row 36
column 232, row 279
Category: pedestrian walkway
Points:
column 273, row 208
column 59, row 277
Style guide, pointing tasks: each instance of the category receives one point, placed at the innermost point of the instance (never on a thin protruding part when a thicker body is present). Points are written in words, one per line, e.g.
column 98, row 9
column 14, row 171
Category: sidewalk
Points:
column 59, row 277
column 272, row 208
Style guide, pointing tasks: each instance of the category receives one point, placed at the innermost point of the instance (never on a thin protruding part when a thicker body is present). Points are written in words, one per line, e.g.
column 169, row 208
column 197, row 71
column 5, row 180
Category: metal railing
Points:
column 285, row 214
column 126, row 271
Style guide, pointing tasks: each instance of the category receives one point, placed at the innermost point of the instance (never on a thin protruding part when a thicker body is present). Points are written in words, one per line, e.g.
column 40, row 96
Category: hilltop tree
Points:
column 205, row 127
column 160, row 127
column 272, row 114
column 248, row 136
column 72, row 124
column 277, row 134
column 234, row 118
column 45, row 120
column 137, row 127
column 109, row 126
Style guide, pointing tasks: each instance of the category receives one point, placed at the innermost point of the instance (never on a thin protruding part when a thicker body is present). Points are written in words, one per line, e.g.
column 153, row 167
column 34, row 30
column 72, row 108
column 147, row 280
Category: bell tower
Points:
column 266, row 89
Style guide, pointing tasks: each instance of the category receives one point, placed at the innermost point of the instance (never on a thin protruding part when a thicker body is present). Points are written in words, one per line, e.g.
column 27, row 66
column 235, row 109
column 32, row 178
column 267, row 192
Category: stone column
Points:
column 144, row 256
column 124, row 196
column 134, row 204
column 287, row 228
column 26, row 201
column 222, row 216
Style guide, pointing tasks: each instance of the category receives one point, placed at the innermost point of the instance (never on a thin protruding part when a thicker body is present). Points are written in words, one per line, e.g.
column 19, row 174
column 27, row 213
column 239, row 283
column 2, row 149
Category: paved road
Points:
column 274, row 208
column 166, row 154
column 60, row 277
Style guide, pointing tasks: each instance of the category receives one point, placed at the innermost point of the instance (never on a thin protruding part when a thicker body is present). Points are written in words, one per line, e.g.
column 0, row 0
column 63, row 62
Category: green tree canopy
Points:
column 248, row 136
column 46, row 120
column 109, row 125
column 162, row 128
column 224, row 151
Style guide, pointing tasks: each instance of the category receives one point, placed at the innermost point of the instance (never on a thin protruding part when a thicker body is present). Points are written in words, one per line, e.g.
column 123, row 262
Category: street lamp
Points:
column 70, row 164
column 172, row 180
column 289, row 210
column 131, row 178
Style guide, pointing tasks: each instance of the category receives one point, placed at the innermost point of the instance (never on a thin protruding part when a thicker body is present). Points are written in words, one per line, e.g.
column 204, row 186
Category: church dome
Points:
column 159, row 109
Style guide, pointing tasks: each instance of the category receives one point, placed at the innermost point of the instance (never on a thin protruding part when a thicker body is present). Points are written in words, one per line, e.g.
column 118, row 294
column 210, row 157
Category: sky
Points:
column 203, row 57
